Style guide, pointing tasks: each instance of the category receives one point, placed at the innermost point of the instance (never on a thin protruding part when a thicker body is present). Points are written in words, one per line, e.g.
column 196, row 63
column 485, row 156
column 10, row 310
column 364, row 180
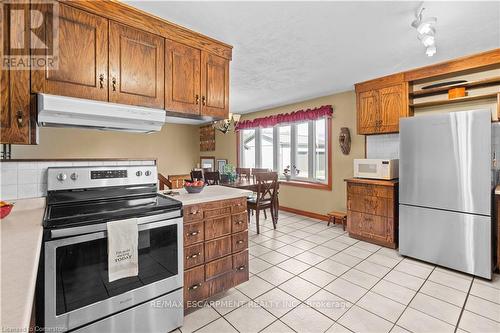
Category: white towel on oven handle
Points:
column 123, row 238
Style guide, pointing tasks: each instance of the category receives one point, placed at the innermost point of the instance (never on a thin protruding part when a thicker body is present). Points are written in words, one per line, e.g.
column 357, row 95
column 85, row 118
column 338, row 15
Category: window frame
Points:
column 311, row 181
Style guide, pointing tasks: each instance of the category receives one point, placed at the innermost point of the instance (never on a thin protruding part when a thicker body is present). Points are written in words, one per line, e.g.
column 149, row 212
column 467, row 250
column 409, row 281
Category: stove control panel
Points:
column 68, row 178
column 103, row 174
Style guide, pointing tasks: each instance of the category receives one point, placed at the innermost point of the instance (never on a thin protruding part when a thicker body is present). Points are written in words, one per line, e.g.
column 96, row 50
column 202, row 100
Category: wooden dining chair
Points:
column 177, row 181
column 196, row 175
column 243, row 173
column 267, row 185
column 259, row 170
column 212, row 177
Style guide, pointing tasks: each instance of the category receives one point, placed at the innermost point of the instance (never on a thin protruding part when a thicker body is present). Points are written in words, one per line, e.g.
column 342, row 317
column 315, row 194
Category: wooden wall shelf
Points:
column 455, row 100
column 469, row 85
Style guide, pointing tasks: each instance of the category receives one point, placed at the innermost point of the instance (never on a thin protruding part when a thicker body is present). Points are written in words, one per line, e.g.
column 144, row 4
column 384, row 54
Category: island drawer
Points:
column 240, row 241
column 240, row 267
column 239, row 222
column 217, row 248
column 196, row 289
column 238, row 205
column 193, row 233
column 217, row 227
column 193, row 213
column 218, row 267
column 217, row 212
column 194, row 255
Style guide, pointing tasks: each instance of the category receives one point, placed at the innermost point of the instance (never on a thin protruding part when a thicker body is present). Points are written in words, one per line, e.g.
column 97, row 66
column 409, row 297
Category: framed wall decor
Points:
column 207, row 162
column 220, row 165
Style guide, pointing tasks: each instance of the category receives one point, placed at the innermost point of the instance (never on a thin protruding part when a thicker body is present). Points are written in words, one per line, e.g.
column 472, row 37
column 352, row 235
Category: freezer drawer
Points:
column 454, row 240
column 445, row 161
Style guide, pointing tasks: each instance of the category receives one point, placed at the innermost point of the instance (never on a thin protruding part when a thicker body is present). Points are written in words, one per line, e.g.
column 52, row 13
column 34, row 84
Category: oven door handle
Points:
column 52, row 244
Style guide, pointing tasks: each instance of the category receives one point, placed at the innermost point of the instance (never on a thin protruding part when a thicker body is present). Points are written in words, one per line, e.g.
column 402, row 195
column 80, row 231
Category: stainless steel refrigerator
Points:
column 445, row 190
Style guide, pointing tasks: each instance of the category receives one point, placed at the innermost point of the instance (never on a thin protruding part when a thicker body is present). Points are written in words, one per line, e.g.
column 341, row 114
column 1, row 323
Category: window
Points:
column 248, row 148
column 303, row 145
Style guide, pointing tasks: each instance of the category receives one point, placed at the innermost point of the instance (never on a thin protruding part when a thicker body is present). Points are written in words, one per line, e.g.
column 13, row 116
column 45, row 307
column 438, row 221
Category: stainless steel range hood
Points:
column 59, row 111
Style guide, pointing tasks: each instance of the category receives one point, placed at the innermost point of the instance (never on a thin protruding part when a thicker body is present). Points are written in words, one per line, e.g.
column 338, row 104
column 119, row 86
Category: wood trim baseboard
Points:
column 305, row 213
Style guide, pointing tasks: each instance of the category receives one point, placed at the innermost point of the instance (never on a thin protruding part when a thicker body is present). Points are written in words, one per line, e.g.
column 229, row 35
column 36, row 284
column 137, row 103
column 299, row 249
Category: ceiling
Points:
column 286, row 52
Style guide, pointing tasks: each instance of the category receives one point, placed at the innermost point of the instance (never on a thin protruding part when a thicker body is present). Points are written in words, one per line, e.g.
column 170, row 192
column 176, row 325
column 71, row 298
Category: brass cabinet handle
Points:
column 197, row 97
column 239, row 242
column 194, row 233
column 194, row 255
column 194, row 212
column 20, row 119
column 101, row 81
column 113, row 81
column 195, row 286
column 239, row 222
column 241, row 268
column 203, row 100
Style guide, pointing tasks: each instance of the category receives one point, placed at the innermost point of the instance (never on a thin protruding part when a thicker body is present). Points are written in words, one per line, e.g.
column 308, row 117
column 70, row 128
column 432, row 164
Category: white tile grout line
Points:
column 336, row 277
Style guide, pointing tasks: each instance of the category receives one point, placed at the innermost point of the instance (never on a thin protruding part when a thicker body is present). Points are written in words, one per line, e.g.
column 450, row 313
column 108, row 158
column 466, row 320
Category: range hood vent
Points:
column 59, row 111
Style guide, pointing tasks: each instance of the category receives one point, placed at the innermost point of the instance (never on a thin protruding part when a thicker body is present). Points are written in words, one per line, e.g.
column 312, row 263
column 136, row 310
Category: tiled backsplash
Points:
column 382, row 146
column 20, row 180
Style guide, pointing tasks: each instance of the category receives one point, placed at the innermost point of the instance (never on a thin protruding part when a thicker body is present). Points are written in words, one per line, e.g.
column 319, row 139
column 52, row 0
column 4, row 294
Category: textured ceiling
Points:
column 290, row 51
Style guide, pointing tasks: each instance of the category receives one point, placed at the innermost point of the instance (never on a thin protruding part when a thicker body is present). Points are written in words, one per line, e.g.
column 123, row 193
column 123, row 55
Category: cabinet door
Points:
column 214, row 86
column 15, row 113
column 392, row 107
column 182, row 78
column 379, row 228
column 82, row 69
column 368, row 112
column 136, row 67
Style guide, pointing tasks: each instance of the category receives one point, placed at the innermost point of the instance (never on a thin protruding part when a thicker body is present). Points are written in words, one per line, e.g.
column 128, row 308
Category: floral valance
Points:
column 296, row 116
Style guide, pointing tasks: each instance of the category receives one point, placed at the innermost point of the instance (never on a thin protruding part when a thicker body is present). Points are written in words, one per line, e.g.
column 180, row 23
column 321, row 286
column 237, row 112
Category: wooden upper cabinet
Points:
column 82, row 69
column 368, row 114
column 391, row 104
column 380, row 104
column 214, row 86
column 136, row 67
column 182, row 78
column 17, row 121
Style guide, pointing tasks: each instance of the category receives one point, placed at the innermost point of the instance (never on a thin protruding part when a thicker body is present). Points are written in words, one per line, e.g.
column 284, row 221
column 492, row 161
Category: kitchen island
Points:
column 215, row 242
column 21, row 237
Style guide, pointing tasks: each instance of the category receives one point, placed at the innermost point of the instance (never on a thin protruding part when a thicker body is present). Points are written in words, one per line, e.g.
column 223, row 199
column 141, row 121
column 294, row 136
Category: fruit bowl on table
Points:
column 194, row 187
column 5, row 209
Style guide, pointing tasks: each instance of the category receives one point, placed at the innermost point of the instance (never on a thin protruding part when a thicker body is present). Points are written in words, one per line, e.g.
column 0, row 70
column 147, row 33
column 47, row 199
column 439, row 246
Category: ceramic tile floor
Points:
column 307, row 277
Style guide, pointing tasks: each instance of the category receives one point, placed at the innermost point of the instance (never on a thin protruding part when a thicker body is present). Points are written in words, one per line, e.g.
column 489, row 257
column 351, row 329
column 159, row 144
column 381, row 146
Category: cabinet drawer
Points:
column 367, row 225
column 240, row 241
column 217, row 212
column 218, row 267
column 368, row 204
column 239, row 222
column 194, row 255
column 193, row 233
column 238, row 205
column 240, row 267
column 370, row 190
column 195, row 287
column 217, row 248
column 217, row 227
column 193, row 213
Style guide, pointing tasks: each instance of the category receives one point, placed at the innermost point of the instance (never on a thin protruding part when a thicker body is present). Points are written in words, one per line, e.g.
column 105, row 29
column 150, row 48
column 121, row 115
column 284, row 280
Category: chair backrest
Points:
column 267, row 186
column 163, row 182
column 212, row 177
column 259, row 170
column 196, row 175
column 177, row 181
column 224, row 178
column 243, row 173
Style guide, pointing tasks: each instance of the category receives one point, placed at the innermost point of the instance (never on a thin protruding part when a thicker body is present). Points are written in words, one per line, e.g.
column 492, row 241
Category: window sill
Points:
column 305, row 184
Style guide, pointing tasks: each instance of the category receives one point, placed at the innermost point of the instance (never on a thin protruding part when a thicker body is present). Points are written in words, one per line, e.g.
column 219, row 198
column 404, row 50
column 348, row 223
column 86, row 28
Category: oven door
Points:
column 77, row 289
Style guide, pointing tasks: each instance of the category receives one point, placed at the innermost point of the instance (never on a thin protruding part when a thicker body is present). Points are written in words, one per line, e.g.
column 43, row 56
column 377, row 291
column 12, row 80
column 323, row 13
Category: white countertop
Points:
column 21, row 238
column 209, row 193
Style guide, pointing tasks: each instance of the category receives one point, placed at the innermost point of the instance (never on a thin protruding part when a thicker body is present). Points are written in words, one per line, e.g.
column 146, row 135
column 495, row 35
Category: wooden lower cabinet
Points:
column 215, row 249
column 372, row 211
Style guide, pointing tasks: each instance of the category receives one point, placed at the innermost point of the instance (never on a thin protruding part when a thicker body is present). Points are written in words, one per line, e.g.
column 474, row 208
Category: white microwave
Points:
column 376, row 168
